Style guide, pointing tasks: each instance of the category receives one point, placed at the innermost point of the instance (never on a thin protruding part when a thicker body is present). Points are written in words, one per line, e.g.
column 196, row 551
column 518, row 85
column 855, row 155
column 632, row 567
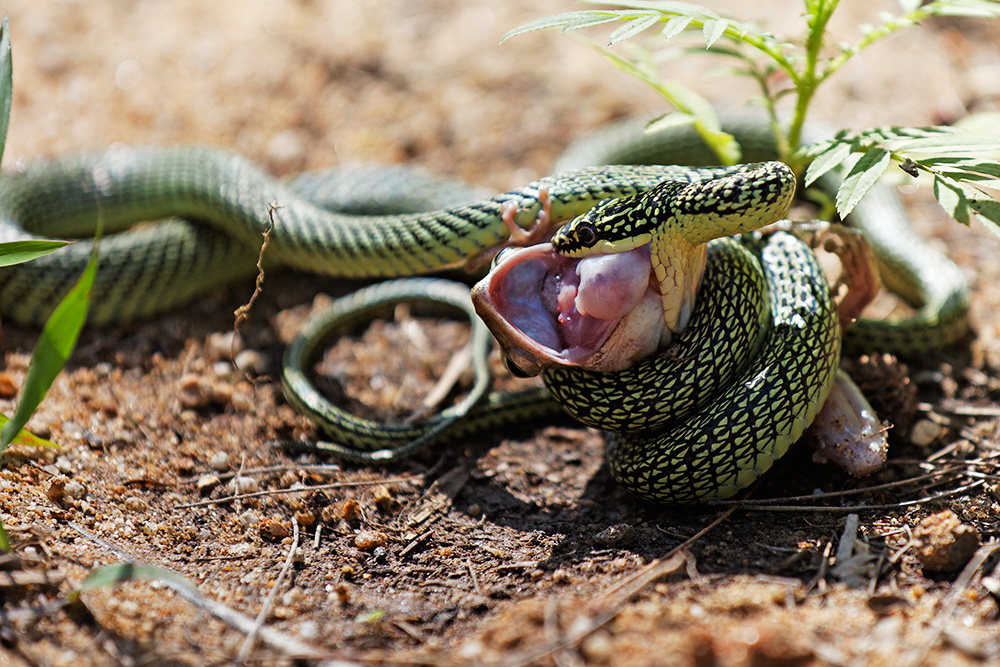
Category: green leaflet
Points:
column 827, row 160
column 632, row 28
column 861, row 178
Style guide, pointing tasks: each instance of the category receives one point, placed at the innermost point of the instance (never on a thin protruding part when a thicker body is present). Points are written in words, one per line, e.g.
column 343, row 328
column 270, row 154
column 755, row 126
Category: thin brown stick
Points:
column 280, row 641
column 243, row 311
column 833, row 509
column 278, row 492
column 957, row 471
column 265, row 610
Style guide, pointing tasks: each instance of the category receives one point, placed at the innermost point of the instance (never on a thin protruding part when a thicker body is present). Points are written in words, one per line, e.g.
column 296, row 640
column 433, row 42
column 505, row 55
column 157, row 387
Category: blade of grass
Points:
column 25, row 438
column 6, row 82
column 116, row 573
column 16, row 252
column 54, row 347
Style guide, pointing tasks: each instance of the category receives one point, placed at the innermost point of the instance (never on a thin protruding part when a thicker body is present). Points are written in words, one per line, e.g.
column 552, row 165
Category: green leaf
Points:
column 632, row 28
column 989, row 211
column 4, row 540
column 675, row 26
column 947, row 143
column 116, row 573
column 722, row 144
column 969, row 8
column 15, row 252
column 668, row 120
column 25, row 438
column 6, row 82
column 372, row 617
column 832, row 157
column 713, row 30
column 565, row 21
column 952, row 199
column 54, row 347
column 860, row 179
column 984, row 167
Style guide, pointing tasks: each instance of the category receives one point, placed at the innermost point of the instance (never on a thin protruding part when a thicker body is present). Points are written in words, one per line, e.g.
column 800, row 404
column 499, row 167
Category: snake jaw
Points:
column 546, row 310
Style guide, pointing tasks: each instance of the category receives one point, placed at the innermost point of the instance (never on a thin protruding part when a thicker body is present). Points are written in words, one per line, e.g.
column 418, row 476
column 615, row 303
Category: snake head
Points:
column 614, row 225
column 713, row 203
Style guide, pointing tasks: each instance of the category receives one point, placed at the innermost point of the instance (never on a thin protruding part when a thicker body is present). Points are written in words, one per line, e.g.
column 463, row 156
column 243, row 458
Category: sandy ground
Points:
column 510, row 548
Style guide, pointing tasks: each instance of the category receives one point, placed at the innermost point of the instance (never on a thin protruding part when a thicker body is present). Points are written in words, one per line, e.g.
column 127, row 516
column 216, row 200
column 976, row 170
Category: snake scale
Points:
column 213, row 207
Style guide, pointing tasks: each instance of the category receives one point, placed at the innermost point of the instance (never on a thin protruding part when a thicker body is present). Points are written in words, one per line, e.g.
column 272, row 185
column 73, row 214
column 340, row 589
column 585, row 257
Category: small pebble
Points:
column 56, row 489
column 251, row 361
column 308, row 630
column 8, row 388
column 598, row 647
column 206, row 483
column 193, row 391
column 274, row 530
column 74, row 490
column 243, row 402
column 370, row 539
column 135, row 504
column 618, row 535
column 944, row 543
column 64, row 465
column 249, row 519
column 345, row 510
column 223, row 345
column 243, row 484
column 197, row 391
column 925, row 433
column 220, row 461
column 383, row 498
column 292, row 596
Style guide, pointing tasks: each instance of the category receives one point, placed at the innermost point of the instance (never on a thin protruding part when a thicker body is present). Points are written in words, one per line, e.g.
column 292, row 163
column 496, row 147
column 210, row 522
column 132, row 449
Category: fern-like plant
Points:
column 961, row 178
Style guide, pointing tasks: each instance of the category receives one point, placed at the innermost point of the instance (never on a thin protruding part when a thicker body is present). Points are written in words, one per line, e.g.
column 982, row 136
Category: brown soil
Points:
column 511, row 548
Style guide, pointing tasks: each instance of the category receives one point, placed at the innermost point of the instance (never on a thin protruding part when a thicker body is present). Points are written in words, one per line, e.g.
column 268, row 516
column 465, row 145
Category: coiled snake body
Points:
column 216, row 205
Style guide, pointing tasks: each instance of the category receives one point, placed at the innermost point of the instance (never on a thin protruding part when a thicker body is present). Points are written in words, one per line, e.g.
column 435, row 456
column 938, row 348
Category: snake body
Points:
column 217, row 207
column 743, row 429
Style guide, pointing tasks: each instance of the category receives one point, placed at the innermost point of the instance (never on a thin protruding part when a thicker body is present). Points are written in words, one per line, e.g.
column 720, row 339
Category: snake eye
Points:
column 586, row 235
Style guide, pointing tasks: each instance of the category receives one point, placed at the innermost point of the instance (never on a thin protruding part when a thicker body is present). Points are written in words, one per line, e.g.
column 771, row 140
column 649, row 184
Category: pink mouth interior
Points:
column 563, row 309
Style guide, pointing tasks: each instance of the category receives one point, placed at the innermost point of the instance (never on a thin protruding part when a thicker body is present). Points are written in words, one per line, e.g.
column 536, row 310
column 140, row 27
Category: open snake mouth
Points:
column 602, row 313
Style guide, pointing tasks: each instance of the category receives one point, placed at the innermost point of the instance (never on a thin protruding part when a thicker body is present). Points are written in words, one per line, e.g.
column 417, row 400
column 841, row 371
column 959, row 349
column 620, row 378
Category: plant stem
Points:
column 808, row 81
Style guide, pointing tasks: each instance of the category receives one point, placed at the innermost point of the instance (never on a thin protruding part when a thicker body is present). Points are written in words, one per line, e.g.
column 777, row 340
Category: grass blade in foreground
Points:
column 16, row 252
column 6, row 82
column 116, row 573
column 54, row 347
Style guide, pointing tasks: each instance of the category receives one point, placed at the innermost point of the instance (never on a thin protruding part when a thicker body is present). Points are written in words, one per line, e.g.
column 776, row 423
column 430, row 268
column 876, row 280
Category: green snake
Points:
column 214, row 207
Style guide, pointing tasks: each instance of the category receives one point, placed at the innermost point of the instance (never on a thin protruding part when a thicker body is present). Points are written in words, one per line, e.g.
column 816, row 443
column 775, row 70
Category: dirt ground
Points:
column 511, row 548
